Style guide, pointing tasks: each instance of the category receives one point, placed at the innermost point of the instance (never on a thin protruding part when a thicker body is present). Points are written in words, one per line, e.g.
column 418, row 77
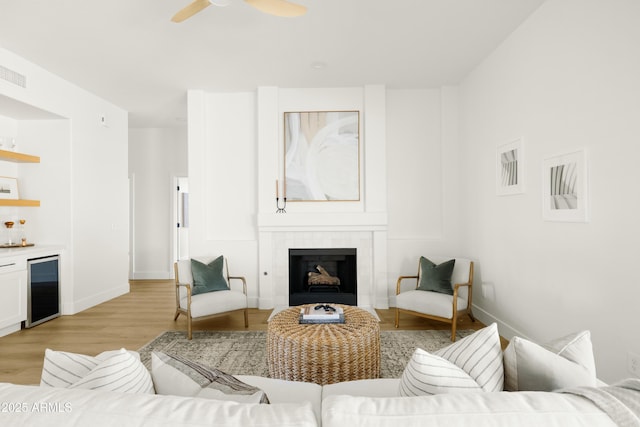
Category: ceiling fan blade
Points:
column 278, row 7
column 190, row 10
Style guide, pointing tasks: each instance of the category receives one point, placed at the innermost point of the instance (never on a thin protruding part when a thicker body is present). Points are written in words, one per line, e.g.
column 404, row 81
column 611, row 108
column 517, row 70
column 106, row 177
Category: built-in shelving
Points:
column 20, row 202
column 12, row 156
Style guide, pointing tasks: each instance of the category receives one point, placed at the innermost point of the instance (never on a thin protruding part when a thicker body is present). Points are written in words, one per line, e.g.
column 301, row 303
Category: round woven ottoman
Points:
column 324, row 353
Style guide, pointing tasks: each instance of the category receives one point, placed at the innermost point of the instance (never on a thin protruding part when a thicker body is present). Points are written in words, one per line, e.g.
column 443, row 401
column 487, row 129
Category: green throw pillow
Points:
column 208, row 277
column 436, row 278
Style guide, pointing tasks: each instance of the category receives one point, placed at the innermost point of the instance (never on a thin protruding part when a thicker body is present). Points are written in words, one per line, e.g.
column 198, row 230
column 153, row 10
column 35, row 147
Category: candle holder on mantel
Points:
column 284, row 206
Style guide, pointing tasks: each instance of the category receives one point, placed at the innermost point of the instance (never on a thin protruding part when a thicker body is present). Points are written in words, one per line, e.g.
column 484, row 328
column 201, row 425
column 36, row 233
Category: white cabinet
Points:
column 13, row 294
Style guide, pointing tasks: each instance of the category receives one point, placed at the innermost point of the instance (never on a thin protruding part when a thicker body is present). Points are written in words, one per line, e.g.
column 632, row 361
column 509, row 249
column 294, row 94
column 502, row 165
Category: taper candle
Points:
column 277, row 195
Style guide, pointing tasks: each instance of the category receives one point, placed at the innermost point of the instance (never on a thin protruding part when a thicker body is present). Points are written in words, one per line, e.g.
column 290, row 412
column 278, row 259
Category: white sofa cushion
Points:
column 118, row 370
column 53, row 407
column 526, row 409
column 283, row 391
column 181, row 377
column 562, row 363
column 215, row 302
column 380, row 387
column 472, row 364
column 429, row 302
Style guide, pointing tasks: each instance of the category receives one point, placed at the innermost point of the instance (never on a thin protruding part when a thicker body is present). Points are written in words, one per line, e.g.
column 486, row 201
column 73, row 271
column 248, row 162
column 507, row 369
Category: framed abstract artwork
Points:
column 565, row 191
column 322, row 156
column 510, row 168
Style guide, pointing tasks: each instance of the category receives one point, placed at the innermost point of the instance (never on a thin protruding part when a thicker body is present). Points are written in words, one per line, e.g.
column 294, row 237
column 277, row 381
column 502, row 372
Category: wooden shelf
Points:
column 19, row 202
column 12, row 156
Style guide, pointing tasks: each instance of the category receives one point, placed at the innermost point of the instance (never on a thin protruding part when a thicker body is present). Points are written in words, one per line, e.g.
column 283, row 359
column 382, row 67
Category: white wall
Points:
column 410, row 156
column 566, row 79
column 156, row 156
column 422, row 179
column 81, row 181
column 222, row 180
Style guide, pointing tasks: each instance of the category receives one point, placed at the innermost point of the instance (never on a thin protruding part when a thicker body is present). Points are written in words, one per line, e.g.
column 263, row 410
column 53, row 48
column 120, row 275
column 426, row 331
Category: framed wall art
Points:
column 510, row 168
column 322, row 156
column 565, row 192
column 9, row 188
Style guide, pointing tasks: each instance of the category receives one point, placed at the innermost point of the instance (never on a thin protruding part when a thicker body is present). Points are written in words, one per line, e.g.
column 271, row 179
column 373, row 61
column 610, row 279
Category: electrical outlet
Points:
column 633, row 363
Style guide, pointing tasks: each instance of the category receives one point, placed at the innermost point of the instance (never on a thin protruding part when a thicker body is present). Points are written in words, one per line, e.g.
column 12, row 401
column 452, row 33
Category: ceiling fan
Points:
column 272, row 7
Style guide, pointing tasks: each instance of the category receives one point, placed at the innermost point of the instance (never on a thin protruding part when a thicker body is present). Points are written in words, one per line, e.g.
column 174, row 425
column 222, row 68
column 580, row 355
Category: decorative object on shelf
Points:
column 565, row 192
column 22, row 228
column 510, row 168
column 9, row 188
column 322, row 155
column 10, row 238
column 14, row 236
column 284, row 206
column 7, row 143
column 11, row 199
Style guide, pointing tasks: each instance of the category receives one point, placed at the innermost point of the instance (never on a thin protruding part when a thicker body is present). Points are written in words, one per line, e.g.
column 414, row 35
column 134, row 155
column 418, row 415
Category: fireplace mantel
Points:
column 352, row 221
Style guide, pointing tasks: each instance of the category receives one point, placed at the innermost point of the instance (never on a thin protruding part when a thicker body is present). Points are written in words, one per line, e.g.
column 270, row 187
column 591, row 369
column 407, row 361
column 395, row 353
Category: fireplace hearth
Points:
column 323, row 275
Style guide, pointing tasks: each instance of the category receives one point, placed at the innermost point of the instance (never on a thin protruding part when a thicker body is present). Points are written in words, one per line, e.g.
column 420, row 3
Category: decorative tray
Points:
column 16, row 245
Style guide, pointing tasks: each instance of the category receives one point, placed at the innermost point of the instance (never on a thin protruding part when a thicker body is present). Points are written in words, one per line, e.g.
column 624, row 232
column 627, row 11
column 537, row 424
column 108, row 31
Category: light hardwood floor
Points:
column 131, row 321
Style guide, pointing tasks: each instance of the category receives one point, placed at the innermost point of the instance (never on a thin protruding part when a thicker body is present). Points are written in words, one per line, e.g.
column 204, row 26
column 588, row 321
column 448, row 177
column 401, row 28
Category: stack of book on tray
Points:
column 321, row 313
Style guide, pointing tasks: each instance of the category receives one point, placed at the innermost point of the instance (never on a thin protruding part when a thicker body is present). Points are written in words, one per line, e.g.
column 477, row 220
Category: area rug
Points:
column 244, row 352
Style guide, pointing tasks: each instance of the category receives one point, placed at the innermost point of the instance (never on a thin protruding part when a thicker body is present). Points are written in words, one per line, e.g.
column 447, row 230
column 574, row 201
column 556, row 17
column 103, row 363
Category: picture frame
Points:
column 510, row 168
column 322, row 156
column 565, row 189
column 9, row 188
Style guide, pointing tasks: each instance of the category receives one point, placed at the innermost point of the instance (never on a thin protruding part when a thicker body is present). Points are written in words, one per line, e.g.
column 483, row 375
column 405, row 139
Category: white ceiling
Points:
column 128, row 51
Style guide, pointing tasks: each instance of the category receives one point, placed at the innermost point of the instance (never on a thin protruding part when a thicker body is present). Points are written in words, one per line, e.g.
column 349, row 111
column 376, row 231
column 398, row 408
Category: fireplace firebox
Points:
column 323, row 275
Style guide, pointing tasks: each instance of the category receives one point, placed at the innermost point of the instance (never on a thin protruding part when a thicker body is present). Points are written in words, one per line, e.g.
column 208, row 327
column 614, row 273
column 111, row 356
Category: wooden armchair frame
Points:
column 456, row 313
column 187, row 311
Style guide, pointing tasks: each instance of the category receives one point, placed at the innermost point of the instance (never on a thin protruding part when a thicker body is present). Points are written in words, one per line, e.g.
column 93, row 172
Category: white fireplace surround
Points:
column 365, row 232
column 358, row 224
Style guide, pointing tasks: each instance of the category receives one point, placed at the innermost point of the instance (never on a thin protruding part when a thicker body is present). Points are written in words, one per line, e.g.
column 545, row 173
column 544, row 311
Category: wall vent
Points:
column 13, row 77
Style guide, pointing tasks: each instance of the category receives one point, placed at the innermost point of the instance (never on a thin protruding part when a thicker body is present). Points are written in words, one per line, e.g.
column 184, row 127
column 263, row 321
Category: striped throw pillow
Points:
column 182, row 377
column 118, row 370
column 61, row 369
column 472, row 364
column 122, row 372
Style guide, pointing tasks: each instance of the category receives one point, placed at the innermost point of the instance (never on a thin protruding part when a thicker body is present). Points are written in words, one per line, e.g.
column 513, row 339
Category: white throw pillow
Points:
column 472, row 364
column 174, row 375
column 117, row 370
column 565, row 362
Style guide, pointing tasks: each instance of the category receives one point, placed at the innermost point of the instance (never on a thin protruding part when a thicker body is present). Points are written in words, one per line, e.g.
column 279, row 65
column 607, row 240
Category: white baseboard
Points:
column 10, row 329
column 85, row 303
column 504, row 329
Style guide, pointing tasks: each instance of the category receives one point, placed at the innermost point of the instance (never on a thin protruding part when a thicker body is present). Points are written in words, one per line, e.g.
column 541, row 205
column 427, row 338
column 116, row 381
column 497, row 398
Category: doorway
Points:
column 181, row 218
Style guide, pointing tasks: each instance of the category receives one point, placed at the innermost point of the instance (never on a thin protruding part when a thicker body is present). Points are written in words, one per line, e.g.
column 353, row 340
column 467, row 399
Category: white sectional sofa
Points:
column 367, row 403
column 461, row 385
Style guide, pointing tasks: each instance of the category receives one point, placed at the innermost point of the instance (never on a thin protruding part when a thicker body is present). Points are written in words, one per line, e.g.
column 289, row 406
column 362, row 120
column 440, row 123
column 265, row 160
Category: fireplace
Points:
column 323, row 275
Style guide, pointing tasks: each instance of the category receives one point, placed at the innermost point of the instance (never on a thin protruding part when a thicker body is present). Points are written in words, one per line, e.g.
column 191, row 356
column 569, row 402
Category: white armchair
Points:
column 437, row 305
column 208, row 304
